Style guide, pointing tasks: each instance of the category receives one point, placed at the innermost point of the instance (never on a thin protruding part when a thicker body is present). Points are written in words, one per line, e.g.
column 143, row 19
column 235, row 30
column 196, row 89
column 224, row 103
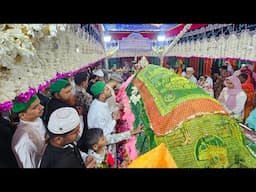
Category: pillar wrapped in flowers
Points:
column 192, row 125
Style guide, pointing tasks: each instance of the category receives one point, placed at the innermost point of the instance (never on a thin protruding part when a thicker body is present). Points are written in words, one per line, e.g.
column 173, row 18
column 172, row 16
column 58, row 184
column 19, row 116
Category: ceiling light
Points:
column 157, row 25
column 107, row 38
column 161, row 38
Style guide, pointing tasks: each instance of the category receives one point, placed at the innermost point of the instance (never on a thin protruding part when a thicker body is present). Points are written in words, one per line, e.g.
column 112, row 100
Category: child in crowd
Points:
column 206, row 83
column 97, row 144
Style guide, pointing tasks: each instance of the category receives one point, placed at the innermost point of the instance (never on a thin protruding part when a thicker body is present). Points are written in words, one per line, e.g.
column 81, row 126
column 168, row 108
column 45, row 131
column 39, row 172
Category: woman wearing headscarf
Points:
column 232, row 97
column 248, row 88
column 247, row 69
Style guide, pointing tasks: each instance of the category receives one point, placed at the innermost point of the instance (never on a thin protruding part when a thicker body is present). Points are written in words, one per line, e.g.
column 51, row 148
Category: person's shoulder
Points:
column 94, row 102
column 225, row 89
column 21, row 138
column 94, row 106
column 242, row 93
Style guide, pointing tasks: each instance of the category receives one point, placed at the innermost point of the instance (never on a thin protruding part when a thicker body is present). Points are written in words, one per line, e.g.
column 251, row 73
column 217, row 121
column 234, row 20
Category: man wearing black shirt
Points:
column 61, row 151
column 7, row 158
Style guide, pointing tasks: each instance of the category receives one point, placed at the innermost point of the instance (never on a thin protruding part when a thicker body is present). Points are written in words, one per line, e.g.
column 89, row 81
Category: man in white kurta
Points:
column 28, row 142
column 99, row 114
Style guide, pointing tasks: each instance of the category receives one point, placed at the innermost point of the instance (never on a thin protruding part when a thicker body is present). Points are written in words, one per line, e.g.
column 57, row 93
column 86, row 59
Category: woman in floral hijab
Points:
column 232, row 97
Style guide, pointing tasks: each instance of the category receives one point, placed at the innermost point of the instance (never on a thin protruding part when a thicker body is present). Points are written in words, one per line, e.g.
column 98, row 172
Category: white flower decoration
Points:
column 135, row 97
column 26, row 51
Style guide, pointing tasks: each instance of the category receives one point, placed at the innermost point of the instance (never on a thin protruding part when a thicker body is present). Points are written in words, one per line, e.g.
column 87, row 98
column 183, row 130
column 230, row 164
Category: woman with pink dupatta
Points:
column 232, row 97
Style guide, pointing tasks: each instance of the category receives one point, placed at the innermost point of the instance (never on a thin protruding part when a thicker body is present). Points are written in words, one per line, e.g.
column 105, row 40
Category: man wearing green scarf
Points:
column 28, row 141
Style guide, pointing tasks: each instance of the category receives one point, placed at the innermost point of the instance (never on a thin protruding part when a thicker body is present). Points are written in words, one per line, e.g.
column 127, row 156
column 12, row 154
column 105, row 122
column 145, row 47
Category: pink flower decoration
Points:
column 131, row 149
column 25, row 97
column 127, row 118
column 6, row 106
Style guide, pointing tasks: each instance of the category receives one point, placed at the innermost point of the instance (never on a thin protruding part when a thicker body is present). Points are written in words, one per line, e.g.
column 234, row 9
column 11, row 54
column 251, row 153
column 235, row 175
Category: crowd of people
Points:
column 66, row 126
column 235, row 90
column 72, row 123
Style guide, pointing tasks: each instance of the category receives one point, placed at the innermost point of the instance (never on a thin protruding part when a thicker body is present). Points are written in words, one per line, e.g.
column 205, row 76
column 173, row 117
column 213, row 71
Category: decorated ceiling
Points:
column 151, row 31
column 137, row 27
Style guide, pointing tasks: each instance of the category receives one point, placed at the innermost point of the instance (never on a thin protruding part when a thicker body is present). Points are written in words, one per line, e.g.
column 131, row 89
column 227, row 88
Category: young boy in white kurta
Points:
column 28, row 141
column 97, row 142
column 99, row 114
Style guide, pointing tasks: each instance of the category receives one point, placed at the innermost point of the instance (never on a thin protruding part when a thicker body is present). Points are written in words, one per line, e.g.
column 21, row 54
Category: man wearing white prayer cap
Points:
column 62, row 151
column 189, row 74
column 99, row 73
column 190, row 69
column 114, row 83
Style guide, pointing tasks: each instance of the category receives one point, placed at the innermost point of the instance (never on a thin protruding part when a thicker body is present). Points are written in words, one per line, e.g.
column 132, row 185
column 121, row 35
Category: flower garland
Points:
column 235, row 45
column 126, row 149
column 135, row 97
column 177, row 38
column 144, row 141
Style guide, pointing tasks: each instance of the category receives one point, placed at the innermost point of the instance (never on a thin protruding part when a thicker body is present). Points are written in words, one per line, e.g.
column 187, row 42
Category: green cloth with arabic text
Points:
column 169, row 89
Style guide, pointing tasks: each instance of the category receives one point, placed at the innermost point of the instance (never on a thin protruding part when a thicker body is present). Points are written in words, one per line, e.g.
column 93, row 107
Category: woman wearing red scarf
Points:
column 247, row 69
column 248, row 88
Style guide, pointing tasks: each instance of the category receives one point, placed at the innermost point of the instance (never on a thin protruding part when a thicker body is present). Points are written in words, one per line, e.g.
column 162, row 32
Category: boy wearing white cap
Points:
column 61, row 91
column 61, row 151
